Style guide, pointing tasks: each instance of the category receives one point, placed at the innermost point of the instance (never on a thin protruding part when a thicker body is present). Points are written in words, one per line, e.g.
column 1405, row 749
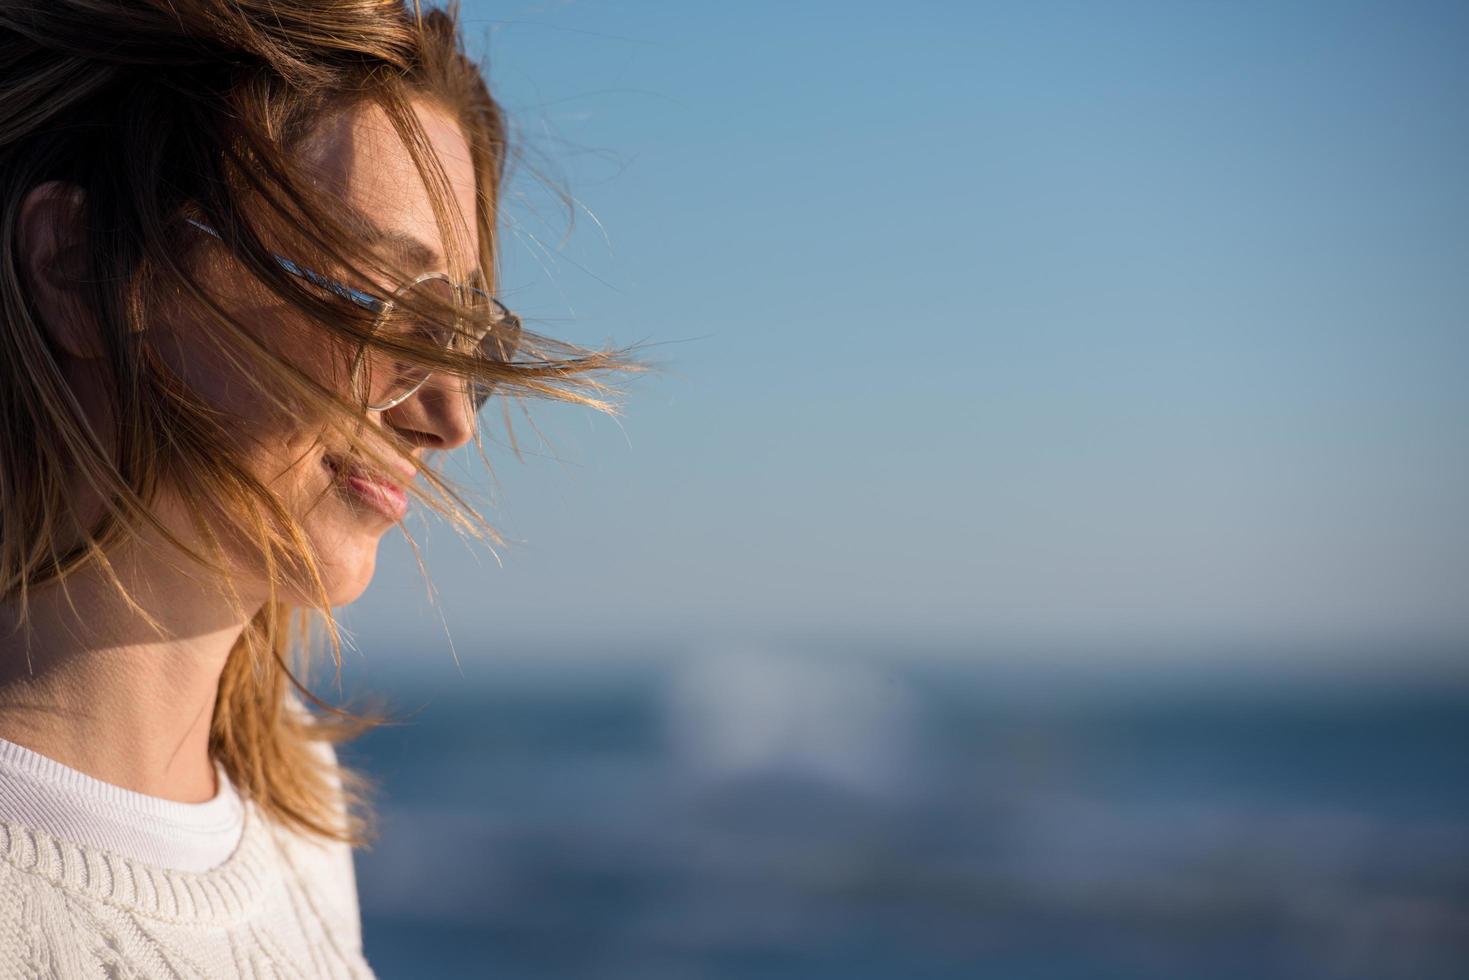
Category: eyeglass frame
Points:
column 381, row 306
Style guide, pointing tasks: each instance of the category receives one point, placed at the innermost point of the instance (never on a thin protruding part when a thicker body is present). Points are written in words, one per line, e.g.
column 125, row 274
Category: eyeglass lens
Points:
column 387, row 379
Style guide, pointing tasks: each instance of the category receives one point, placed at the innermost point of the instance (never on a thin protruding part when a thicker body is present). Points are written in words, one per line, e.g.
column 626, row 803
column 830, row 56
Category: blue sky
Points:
column 1072, row 322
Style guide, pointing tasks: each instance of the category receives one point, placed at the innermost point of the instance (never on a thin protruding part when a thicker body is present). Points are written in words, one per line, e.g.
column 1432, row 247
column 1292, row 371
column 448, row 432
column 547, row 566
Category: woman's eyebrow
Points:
column 414, row 251
column 416, row 254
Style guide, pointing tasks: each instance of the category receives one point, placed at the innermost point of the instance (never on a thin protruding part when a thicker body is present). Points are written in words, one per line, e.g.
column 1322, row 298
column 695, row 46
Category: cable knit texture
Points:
column 281, row 905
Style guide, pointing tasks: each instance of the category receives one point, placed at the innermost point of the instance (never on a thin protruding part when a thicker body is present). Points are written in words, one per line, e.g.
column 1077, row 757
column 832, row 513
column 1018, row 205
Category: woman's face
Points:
column 344, row 508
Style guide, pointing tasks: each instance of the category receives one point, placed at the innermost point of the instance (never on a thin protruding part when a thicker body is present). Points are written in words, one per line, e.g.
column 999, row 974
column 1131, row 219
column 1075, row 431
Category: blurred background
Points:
column 1043, row 551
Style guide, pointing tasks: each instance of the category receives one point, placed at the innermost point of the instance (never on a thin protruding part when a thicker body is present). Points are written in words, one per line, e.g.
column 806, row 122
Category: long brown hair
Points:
column 164, row 111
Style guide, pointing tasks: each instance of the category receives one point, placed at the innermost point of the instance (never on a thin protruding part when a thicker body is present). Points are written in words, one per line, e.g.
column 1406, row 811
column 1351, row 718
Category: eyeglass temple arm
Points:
column 365, row 300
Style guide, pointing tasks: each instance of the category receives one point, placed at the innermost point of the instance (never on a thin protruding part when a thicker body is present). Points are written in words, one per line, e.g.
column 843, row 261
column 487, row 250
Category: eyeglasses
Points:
column 387, row 381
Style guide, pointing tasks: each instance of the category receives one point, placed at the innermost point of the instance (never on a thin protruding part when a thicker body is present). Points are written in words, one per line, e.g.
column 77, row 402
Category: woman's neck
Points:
column 88, row 682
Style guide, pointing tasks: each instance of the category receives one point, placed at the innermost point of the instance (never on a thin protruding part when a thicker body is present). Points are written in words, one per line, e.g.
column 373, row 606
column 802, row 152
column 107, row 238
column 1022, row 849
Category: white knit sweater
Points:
column 98, row 881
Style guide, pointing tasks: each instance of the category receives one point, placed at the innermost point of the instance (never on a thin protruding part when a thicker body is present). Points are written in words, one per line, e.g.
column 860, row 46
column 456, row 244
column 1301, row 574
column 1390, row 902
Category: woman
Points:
column 246, row 291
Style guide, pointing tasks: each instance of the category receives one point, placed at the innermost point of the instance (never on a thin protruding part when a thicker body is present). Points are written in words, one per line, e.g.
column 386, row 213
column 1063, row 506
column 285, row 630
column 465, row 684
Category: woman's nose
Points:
column 439, row 415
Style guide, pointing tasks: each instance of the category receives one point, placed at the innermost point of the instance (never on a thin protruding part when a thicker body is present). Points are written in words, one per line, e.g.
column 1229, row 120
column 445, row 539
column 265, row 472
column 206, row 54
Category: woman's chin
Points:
column 342, row 586
column 348, row 594
column 346, row 560
column 345, row 581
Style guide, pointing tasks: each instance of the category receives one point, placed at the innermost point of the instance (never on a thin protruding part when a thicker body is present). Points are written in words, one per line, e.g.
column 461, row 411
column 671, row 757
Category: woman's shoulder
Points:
column 325, row 868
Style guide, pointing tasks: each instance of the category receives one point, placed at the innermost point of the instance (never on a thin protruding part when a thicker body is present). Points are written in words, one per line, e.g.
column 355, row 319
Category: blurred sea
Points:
column 745, row 814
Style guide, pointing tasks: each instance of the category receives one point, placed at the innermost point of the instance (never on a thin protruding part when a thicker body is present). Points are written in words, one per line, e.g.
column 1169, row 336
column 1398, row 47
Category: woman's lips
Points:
column 368, row 487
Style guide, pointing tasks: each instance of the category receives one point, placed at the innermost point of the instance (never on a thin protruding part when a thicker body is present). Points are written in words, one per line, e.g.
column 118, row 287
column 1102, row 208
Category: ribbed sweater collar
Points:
column 227, row 893
column 160, row 857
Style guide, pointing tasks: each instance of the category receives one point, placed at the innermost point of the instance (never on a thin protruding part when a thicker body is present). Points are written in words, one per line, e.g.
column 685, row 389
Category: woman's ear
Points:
column 52, row 243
